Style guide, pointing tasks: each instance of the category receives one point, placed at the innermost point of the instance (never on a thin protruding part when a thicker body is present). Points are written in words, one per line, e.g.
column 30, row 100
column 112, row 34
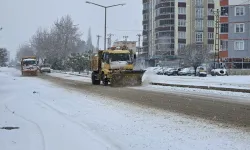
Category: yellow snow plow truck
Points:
column 115, row 66
column 29, row 66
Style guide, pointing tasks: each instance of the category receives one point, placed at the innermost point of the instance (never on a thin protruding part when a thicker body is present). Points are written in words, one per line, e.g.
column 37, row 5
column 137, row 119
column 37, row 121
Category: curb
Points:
column 203, row 87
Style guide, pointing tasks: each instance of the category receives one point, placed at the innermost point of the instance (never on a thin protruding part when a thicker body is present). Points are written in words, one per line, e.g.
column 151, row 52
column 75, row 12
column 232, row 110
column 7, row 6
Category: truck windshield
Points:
column 119, row 57
column 32, row 62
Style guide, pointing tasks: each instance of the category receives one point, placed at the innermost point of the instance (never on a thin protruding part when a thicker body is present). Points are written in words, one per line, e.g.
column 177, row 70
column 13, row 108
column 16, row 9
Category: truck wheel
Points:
column 105, row 82
column 93, row 78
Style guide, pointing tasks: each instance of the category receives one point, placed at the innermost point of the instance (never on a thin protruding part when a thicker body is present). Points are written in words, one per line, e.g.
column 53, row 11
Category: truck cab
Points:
column 29, row 65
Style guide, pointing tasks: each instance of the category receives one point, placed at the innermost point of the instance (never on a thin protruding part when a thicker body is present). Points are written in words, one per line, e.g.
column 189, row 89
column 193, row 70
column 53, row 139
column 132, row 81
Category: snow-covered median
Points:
column 50, row 117
column 239, row 82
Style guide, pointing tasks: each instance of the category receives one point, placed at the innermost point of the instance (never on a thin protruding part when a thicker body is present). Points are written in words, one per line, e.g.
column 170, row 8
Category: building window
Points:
column 145, row 6
column 180, row 46
column 224, row 11
column 182, row 35
column 181, row 23
column 239, row 10
column 199, row 2
column 224, row 28
column 210, row 47
column 163, row 10
column 199, row 24
column 239, row 27
column 145, row 27
column 239, row 45
column 210, row 35
column 210, row 1
column 145, row 16
column 164, row 34
column 199, row 13
column 182, row 10
column 165, row 22
column 199, row 36
column 224, row 45
column 210, row 23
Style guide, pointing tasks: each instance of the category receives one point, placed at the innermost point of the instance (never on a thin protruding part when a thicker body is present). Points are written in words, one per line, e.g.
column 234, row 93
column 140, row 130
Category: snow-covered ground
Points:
column 50, row 118
column 70, row 77
column 241, row 82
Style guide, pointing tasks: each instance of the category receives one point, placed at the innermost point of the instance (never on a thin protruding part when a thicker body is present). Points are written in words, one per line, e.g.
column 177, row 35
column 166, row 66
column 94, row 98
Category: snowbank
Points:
column 241, row 82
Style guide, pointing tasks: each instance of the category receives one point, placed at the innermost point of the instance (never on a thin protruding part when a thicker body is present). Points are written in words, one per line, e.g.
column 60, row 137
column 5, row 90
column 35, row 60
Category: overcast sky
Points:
column 21, row 18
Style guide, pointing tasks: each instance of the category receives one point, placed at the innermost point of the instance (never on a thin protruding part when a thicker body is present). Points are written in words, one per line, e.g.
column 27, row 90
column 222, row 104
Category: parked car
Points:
column 201, row 71
column 172, row 71
column 45, row 68
column 219, row 72
column 162, row 71
column 186, row 72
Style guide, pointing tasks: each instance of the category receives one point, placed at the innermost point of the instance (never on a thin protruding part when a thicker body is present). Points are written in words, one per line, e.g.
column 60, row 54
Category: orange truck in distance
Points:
column 29, row 66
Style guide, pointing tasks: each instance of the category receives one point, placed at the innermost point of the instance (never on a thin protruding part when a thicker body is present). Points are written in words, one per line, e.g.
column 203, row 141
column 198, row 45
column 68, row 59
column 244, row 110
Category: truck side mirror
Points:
column 134, row 56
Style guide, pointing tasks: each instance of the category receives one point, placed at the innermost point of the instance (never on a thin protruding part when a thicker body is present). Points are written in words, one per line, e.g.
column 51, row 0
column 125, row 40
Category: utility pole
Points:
column 98, row 41
column 139, row 39
column 109, row 39
column 125, row 39
column 139, row 43
column 217, row 38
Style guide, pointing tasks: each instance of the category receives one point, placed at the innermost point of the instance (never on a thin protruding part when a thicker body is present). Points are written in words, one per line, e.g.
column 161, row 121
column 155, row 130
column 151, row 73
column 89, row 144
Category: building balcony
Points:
column 145, row 11
column 145, row 22
column 164, row 16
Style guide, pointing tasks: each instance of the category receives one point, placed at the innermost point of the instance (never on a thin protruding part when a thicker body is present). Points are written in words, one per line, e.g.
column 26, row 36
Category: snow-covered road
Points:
column 51, row 117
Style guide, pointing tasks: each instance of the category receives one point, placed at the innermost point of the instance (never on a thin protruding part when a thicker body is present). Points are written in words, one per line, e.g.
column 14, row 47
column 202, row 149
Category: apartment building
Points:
column 171, row 24
column 235, row 33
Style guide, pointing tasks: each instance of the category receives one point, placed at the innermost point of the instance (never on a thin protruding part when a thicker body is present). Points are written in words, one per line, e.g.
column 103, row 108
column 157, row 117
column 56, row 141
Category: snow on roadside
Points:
column 70, row 77
column 241, row 82
column 84, row 121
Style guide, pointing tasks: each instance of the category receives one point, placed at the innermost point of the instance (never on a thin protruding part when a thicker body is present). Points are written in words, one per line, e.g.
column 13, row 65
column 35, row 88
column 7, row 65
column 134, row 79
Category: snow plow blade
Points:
column 127, row 78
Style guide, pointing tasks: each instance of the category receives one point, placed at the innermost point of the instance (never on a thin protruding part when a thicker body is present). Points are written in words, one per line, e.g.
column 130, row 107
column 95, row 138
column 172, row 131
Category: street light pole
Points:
column 105, row 29
column 105, row 21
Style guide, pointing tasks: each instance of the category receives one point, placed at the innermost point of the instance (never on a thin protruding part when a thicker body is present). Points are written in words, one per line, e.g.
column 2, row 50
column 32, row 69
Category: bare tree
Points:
column 194, row 55
column 3, row 56
column 56, row 44
column 25, row 50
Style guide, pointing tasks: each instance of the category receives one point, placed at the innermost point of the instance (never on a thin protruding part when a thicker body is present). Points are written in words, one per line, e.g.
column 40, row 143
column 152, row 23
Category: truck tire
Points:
column 105, row 82
column 93, row 78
